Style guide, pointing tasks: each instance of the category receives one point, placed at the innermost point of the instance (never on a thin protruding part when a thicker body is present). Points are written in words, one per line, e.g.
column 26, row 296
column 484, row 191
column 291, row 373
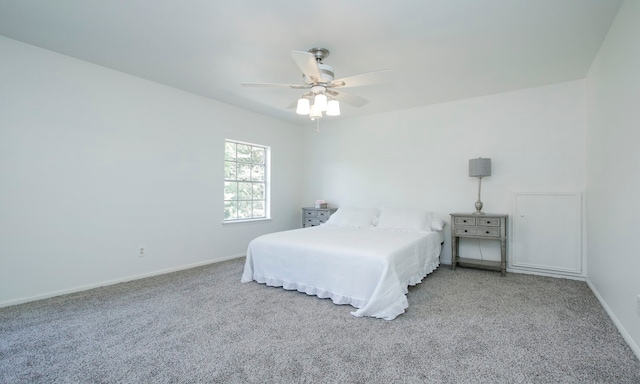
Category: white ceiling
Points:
column 439, row 50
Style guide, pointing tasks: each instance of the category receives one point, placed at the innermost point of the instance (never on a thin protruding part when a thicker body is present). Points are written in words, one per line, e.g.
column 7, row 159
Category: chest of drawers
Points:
column 316, row 216
column 488, row 226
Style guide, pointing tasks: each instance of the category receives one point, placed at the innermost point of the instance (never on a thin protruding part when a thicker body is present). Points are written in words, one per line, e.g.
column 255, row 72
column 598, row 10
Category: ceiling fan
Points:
column 325, row 91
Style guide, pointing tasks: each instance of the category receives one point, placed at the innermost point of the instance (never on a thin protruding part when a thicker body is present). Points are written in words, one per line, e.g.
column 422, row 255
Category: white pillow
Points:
column 410, row 220
column 437, row 224
column 354, row 217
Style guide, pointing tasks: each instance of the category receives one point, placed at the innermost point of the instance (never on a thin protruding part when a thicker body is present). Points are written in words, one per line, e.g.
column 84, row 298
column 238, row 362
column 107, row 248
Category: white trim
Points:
column 245, row 143
column 246, row 221
column 559, row 275
column 116, row 281
column 634, row 347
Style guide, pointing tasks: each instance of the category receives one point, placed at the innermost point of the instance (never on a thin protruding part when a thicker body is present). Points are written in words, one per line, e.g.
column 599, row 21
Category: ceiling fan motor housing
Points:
column 327, row 74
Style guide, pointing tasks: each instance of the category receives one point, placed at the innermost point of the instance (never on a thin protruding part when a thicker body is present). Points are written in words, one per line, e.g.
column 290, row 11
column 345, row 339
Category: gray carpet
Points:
column 204, row 326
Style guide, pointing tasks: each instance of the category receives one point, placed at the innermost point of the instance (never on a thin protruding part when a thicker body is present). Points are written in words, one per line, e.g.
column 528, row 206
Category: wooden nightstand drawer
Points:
column 308, row 213
column 324, row 215
column 478, row 231
column 310, row 222
column 316, row 219
column 488, row 232
column 493, row 222
column 465, row 221
column 466, row 230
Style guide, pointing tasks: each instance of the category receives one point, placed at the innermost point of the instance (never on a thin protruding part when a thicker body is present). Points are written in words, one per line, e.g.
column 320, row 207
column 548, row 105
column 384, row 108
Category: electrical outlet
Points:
column 141, row 251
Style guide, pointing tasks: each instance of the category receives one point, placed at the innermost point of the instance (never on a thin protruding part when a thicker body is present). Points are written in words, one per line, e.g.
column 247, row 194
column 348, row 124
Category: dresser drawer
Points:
column 492, row 222
column 316, row 220
column 488, row 232
column 465, row 221
column 478, row 231
column 466, row 231
column 323, row 215
column 310, row 222
column 310, row 213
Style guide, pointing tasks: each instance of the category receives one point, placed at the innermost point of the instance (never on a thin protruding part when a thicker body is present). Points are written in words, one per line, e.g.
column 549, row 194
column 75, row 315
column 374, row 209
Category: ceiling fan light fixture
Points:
column 333, row 108
column 303, row 107
column 314, row 113
column 320, row 102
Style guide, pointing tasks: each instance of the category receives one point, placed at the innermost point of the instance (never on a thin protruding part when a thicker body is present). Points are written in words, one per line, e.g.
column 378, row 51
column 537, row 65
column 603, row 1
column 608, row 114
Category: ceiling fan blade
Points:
column 348, row 98
column 307, row 64
column 277, row 85
column 363, row 79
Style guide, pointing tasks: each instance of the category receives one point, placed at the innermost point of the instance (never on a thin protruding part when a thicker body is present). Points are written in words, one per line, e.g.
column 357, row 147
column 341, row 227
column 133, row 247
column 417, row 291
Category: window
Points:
column 246, row 181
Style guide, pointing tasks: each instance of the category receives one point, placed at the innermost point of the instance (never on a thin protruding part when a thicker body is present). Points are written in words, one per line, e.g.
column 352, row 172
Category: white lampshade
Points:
column 333, row 108
column 315, row 113
column 320, row 102
column 303, row 107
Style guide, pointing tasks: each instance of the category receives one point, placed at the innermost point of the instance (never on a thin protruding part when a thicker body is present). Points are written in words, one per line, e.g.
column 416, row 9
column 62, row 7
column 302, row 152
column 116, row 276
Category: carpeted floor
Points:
column 204, row 326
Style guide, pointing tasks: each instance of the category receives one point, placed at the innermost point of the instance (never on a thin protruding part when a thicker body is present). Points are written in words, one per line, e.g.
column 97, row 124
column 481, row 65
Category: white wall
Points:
column 613, row 172
column 94, row 163
column 419, row 157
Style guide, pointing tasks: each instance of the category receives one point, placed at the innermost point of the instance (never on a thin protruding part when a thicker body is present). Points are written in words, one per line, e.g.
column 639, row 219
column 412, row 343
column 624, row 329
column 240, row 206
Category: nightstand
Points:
column 487, row 226
column 316, row 216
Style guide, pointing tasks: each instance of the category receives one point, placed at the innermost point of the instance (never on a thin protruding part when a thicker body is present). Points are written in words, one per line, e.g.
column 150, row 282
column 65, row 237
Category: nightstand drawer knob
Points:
column 465, row 231
column 487, row 232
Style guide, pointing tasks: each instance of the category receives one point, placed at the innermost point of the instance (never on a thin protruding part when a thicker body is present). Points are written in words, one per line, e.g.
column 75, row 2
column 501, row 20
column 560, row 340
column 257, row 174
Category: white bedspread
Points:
column 369, row 269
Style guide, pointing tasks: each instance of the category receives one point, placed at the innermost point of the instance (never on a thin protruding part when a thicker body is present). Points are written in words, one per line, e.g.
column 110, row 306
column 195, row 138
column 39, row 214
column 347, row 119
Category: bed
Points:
column 358, row 258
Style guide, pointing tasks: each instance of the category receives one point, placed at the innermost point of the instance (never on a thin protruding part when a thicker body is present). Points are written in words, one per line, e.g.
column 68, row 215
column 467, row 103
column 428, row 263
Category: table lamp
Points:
column 479, row 168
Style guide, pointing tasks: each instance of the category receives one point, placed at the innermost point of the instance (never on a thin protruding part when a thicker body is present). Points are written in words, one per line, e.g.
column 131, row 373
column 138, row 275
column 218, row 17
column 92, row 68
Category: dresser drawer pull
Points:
column 487, row 232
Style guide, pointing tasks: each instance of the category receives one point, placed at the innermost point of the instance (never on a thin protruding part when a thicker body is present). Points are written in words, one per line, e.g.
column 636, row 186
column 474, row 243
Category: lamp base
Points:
column 478, row 208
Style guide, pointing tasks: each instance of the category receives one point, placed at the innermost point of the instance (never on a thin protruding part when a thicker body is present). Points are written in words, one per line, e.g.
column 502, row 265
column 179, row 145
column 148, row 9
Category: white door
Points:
column 547, row 233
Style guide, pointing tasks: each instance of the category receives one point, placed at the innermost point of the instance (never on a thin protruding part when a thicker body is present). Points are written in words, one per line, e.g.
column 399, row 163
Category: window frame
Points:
column 266, row 182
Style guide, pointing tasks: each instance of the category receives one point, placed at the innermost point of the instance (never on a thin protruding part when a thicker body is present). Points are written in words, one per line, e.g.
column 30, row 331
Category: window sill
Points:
column 246, row 221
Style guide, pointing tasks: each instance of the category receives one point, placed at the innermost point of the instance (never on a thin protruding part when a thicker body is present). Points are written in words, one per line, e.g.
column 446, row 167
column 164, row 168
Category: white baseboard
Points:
column 558, row 275
column 116, row 281
column 634, row 347
column 538, row 273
